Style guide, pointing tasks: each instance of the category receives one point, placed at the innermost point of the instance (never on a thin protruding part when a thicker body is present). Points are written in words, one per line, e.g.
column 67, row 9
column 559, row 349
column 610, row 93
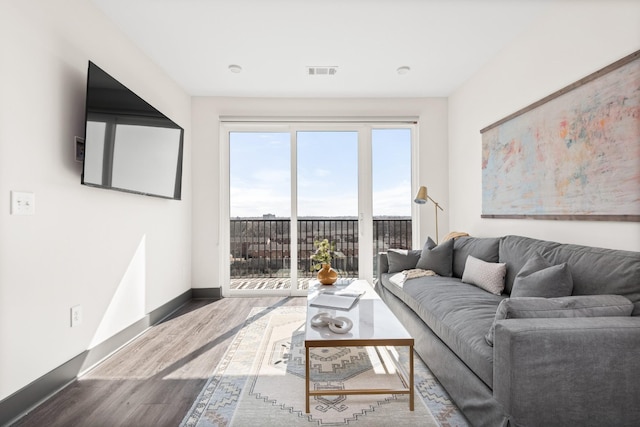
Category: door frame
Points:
column 364, row 129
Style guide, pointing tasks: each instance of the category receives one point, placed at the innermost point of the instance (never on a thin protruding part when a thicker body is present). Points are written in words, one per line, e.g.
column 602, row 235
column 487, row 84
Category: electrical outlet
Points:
column 23, row 203
column 76, row 316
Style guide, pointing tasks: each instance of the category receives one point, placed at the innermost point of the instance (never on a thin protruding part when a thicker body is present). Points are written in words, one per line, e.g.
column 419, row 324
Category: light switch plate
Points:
column 76, row 316
column 23, row 203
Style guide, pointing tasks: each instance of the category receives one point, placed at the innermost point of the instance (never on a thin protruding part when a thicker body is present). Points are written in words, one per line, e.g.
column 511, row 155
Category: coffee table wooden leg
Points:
column 306, row 379
column 412, row 389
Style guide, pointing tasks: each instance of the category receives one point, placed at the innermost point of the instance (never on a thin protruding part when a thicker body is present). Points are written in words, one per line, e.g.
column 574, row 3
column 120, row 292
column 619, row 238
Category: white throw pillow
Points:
column 486, row 275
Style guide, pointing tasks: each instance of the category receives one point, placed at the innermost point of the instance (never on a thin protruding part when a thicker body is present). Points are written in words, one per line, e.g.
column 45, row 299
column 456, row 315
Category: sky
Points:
column 260, row 173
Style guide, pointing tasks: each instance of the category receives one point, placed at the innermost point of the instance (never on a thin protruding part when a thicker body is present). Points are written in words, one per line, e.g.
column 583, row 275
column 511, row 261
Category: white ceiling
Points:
column 443, row 41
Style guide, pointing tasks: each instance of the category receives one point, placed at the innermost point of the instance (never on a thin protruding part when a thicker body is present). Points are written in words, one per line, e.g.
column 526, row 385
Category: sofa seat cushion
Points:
column 459, row 313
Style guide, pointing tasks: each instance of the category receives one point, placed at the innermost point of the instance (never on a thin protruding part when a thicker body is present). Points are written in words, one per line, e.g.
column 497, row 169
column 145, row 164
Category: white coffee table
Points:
column 373, row 325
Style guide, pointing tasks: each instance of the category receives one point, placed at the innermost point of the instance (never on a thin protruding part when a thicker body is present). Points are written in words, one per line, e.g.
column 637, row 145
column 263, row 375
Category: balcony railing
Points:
column 261, row 247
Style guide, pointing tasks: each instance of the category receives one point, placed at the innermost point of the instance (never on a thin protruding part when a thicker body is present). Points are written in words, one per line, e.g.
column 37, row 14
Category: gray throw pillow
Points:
column 438, row 258
column 402, row 259
column 573, row 306
column 539, row 278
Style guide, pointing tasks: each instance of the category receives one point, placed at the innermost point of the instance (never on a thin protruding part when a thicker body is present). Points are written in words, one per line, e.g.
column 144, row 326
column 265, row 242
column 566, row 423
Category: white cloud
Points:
column 257, row 200
column 394, row 201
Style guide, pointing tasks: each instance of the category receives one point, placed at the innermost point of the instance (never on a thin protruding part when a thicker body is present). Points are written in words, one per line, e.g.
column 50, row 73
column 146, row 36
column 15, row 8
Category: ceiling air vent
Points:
column 322, row 70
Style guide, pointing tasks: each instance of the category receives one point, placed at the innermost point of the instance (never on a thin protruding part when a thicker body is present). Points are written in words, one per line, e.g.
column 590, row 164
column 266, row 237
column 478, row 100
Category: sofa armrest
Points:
column 574, row 371
column 383, row 264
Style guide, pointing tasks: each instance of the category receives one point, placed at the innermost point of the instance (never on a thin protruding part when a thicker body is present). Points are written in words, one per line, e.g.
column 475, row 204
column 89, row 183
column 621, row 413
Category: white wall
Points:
column 572, row 41
column 110, row 252
column 432, row 134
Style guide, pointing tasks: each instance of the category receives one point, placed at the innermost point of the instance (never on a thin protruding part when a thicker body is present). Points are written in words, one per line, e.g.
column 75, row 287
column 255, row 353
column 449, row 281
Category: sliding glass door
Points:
column 392, row 191
column 260, row 210
column 327, row 198
column 286, row 187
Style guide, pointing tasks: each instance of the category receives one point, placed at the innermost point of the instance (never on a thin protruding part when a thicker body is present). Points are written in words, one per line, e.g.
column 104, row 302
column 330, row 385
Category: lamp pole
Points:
column 437, row 206
column 421, row 199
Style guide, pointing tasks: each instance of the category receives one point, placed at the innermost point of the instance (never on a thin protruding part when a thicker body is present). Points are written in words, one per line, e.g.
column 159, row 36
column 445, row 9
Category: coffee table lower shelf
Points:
column 407, row 382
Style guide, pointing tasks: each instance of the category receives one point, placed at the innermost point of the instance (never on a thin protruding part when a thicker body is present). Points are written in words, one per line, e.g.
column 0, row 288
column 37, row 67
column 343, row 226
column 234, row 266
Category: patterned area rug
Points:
column 260, row 381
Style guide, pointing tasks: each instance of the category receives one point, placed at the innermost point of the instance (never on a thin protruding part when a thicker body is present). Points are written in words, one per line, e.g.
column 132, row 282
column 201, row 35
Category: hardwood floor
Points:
column 154, row 380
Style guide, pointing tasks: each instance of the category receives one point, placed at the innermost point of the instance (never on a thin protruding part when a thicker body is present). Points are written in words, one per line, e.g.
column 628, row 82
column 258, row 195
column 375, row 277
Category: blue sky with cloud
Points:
column 260, row 177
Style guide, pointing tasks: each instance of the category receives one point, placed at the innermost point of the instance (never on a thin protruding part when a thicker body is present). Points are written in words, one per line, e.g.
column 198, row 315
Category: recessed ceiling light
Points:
column 235, row 68
column 403, row 70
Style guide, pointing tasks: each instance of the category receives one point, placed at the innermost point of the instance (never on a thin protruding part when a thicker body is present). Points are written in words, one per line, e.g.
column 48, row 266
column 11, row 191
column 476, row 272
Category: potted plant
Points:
column 321, row 259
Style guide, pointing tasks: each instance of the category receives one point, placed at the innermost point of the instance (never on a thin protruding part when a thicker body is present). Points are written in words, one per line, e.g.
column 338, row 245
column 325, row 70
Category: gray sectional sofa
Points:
column 563, row 361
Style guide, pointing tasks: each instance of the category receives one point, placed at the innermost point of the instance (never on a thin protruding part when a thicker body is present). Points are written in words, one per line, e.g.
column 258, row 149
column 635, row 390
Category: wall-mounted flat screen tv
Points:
column 129, row 145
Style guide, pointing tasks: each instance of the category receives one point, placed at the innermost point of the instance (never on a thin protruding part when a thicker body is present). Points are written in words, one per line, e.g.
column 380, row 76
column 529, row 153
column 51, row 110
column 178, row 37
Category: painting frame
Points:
column 572, row 155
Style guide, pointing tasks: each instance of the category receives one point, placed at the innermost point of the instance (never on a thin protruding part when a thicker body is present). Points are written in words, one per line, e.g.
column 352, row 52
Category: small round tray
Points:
column 339, row 325
column 320, row 319
column 342, row 325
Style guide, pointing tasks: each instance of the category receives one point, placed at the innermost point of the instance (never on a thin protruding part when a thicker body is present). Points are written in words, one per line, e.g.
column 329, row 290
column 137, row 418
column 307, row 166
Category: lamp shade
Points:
column 421, row 197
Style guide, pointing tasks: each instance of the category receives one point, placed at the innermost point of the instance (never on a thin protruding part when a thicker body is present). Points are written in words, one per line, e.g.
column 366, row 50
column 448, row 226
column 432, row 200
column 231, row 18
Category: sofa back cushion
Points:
column 601, row 271
column 484, row 248
column 595, row 271
column 515, row 251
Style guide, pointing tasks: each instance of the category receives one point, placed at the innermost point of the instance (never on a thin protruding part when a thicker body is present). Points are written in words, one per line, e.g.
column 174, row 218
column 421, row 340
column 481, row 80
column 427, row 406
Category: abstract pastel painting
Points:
column 572, row 155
